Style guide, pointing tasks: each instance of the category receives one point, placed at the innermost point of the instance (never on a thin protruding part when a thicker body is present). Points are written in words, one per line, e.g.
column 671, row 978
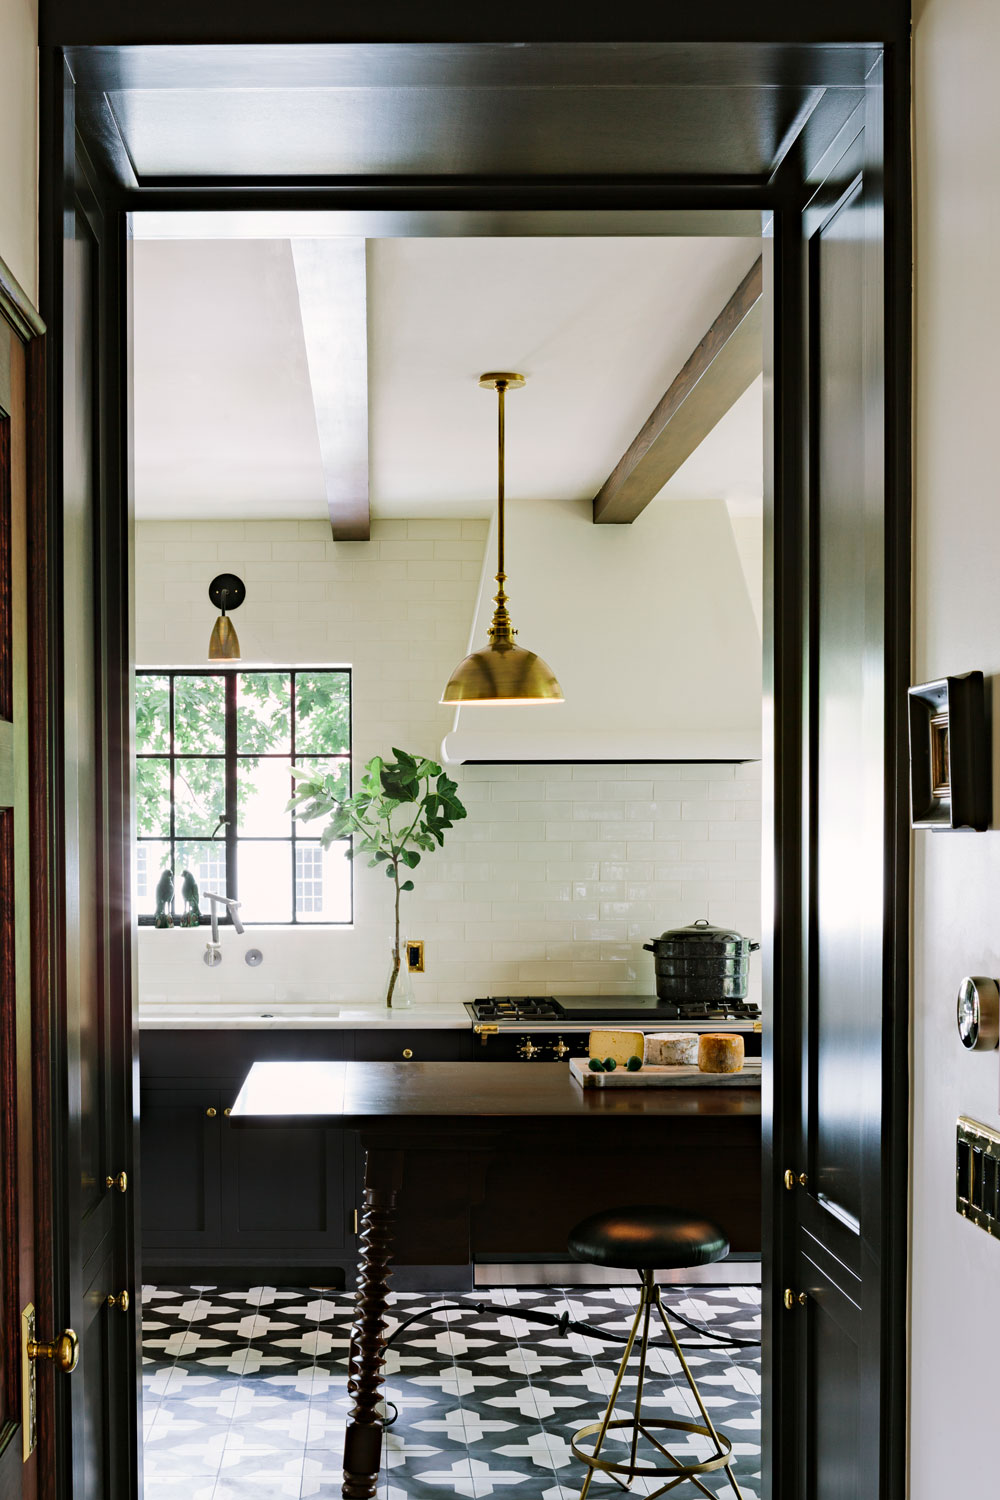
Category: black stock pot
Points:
column 701, row 962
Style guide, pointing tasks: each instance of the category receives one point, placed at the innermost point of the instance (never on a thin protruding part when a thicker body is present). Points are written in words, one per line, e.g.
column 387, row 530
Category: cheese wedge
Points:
column 666, row 1049
column 720, row 1052
column 621, row 1045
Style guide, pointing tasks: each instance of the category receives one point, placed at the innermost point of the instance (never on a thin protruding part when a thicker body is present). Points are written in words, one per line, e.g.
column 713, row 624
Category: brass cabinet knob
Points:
column 227, row 1113
column 120, row 1182
column 791, row 1300
column 792, row 1180
column 63, row 1351
column 407, row 1053
column 121, row 1301
column 210, row 1112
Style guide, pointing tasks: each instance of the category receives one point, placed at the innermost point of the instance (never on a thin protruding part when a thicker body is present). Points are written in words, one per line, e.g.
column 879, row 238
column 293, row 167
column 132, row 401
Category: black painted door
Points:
column 835, row 979
column 93, row 1064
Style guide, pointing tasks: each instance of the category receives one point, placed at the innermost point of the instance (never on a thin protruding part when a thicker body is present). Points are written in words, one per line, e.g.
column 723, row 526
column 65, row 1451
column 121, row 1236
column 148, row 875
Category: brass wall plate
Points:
column 977, row 1174
column 29, row 1410
column 415, row 956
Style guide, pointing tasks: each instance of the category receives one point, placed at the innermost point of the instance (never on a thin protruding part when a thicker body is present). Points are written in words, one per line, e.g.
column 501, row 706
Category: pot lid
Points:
column 701, row 931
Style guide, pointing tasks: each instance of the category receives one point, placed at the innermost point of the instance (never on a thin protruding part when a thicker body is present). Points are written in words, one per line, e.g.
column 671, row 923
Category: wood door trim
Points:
column 43, row 755
column 17, row 307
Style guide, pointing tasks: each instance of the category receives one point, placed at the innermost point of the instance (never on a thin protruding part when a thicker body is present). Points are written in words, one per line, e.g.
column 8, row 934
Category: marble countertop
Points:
column 223, row 1016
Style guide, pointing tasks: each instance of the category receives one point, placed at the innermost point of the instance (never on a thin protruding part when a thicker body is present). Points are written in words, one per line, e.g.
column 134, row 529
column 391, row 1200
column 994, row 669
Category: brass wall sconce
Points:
column 226, row 592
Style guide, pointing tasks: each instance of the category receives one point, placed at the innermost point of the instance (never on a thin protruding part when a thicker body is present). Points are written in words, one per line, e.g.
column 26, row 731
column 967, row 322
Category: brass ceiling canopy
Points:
column 502, row 673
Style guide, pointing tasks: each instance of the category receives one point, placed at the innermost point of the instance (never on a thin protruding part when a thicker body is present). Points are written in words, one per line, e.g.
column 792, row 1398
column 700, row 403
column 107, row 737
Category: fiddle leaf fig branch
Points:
column 402, row 811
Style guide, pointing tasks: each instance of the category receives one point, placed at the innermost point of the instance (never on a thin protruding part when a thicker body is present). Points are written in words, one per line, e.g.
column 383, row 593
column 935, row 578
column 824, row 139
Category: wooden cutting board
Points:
column 680, row 1075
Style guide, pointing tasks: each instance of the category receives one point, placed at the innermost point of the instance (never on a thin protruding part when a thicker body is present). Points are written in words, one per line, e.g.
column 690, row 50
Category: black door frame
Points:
column 784, row 197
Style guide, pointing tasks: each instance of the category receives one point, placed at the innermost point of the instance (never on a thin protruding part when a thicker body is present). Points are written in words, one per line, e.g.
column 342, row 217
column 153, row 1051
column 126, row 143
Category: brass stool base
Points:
column 645, row 1471
column 639, row 1426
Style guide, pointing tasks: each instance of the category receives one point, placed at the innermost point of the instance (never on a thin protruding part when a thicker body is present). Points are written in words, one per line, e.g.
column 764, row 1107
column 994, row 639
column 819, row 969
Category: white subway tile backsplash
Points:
column 559, row 873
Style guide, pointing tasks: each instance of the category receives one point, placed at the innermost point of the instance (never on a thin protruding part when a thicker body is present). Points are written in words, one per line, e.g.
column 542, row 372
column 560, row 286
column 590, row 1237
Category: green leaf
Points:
column 410, row 857
column 407, row 885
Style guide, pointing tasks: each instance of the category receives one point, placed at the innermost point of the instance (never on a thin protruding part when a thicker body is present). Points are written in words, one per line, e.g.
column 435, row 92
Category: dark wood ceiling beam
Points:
column 723, row 366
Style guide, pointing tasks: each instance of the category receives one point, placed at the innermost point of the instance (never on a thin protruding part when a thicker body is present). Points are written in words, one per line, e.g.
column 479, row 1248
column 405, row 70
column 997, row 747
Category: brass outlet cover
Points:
column 415, row 956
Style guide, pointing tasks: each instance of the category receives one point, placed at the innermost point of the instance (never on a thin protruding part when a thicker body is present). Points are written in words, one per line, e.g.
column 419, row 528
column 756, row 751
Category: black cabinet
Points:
column 220, row 1201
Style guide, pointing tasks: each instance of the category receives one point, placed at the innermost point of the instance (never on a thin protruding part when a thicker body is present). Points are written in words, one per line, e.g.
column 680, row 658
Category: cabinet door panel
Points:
column 283, row 1188
column 180, row 1167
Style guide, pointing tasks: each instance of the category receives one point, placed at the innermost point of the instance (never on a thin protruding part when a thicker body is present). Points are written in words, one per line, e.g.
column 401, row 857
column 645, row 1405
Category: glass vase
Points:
column 402, row 991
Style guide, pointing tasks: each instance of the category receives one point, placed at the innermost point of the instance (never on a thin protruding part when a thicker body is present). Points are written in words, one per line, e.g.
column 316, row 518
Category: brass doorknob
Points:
column 63, row 1351
column 793, row 1180
column 210, row 1112
column 407, row 1053
column 791, row 1300
column 121, row 1301
column 120, row 1182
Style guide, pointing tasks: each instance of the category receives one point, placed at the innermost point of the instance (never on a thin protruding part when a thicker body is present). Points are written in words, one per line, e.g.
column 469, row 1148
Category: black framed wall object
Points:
column 950, row 773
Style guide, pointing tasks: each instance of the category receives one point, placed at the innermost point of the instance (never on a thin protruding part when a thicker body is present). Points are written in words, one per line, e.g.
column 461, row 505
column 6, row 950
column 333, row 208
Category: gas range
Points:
column 645, row 1012
column 539, row 1027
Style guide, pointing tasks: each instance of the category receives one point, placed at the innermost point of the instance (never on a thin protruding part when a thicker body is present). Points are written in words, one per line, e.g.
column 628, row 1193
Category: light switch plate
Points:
column 977, row 1174
column 415, row 956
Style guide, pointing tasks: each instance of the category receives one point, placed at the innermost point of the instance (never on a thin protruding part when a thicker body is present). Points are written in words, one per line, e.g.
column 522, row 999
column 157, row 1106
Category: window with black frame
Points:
column 214, row 758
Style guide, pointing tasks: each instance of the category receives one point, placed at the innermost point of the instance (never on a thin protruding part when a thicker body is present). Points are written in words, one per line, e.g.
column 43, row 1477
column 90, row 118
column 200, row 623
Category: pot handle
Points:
column 754, row 947
column 649, row 948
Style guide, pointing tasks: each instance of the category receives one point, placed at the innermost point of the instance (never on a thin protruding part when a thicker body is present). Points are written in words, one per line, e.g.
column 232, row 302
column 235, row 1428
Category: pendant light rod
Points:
column 501, row 630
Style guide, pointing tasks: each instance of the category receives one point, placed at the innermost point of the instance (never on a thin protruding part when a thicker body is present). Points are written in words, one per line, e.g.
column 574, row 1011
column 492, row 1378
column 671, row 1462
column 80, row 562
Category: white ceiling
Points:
column 224, row 417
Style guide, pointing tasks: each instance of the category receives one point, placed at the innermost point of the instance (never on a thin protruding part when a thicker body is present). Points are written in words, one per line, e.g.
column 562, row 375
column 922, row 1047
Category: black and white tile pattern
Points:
column 245, row 1392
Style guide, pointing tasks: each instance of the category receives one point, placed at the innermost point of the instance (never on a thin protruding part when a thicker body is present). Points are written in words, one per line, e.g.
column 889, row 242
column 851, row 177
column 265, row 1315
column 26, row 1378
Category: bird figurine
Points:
column 189, row 890
column 164, row 897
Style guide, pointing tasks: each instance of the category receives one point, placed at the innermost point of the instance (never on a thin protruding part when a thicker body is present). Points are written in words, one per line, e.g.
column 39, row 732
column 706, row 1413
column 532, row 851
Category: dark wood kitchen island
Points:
column 474, row 1160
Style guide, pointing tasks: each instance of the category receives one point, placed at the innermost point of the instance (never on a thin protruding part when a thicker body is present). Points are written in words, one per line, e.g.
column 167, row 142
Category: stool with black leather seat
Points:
column 647, row 1239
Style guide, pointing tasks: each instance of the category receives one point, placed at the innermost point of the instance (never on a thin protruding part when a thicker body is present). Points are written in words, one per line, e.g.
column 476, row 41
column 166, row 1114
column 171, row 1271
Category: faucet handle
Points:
column 213, row 955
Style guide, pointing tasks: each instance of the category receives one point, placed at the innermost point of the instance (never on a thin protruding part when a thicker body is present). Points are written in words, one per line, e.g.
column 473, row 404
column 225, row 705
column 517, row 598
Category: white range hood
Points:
column 649, row 628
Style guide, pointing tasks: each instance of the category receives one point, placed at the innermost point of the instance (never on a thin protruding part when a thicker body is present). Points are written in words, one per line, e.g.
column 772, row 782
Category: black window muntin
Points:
column 231, row 838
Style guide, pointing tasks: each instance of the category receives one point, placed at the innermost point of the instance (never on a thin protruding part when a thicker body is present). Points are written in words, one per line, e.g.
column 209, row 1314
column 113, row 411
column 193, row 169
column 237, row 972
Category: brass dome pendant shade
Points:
column 502, row 673
column 226, row 592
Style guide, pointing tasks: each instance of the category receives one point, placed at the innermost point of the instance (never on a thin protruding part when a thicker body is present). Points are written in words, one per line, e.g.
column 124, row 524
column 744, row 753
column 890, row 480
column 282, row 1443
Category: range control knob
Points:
column 560, row 1049
column 527, row 1049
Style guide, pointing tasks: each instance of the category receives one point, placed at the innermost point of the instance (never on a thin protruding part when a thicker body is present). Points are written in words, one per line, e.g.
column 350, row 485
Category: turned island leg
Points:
column 363, row 1440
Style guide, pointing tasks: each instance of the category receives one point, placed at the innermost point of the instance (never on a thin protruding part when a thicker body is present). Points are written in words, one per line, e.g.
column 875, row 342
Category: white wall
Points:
column 955, row 1284
column 560, row 872
column 18, row 137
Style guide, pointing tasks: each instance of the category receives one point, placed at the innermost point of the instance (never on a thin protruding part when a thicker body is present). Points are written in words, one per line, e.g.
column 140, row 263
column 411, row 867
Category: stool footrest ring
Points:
column 644, row 1471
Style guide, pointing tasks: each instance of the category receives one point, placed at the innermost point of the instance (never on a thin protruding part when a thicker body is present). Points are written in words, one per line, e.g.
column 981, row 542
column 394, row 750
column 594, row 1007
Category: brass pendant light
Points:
column 502, row 673
column 226, row 592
